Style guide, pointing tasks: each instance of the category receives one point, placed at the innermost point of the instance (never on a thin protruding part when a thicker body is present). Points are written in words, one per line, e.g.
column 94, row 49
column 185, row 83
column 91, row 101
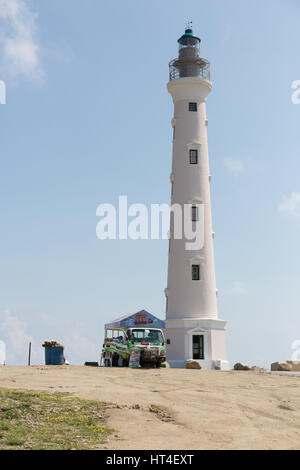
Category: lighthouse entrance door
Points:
column 198, row 347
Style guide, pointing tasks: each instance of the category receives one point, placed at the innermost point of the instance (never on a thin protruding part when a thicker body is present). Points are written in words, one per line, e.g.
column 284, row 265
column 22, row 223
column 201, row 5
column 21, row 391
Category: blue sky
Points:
column 88, row 119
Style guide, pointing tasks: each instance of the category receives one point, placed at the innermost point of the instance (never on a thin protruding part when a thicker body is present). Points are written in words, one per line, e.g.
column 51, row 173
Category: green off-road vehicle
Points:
column 134, row 341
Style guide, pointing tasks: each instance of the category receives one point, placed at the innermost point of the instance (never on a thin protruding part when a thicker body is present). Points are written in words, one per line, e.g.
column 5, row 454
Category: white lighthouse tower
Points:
column 194, row 331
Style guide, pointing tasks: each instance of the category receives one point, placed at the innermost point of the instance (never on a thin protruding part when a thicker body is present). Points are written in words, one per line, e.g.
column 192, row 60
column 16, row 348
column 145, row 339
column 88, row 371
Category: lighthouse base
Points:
column 197, row 339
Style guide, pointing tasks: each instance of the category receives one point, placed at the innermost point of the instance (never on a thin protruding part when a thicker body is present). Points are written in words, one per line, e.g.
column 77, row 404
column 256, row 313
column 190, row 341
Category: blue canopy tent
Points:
column 142, row 319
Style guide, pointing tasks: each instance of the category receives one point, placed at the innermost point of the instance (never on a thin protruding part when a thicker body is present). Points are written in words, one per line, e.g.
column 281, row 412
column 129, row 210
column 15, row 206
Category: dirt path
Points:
column 202, row 410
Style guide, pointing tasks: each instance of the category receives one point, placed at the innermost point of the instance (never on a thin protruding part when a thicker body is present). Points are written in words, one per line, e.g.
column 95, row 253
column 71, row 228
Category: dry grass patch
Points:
column 38, row 420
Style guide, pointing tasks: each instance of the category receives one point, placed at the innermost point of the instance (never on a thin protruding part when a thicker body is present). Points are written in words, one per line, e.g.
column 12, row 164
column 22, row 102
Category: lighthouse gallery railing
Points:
column 201, row 68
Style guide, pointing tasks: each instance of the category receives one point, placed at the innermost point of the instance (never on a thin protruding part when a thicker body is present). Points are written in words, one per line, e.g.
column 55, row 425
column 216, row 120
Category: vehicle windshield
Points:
column 147, row 336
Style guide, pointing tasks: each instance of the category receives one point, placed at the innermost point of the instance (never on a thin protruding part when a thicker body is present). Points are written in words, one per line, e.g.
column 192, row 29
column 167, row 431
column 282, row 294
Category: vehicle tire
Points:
column 158, row 365
column 106, row 363
column 115, row 360
column 125, row 362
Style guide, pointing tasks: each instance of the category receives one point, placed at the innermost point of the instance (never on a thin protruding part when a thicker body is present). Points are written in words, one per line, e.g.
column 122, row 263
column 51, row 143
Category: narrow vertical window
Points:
column 196, row 272
column 193, row 107
column 195, row 214
column 198, row 347
column 193, row 157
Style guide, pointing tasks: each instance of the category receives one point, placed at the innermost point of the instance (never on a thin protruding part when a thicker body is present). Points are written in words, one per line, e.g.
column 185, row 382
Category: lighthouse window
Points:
column 196, row 272
column 193, row 107
column 193, row 157
column 194, row 214
column 198, row 347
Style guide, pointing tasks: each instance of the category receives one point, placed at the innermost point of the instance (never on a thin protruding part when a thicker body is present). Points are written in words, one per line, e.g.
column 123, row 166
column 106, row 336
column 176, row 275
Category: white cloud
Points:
column 237, row 288
column 19, row 48
column 234, row 165
column 13, row 333
column 79, row 348
column 48, row 320
column 290, row 205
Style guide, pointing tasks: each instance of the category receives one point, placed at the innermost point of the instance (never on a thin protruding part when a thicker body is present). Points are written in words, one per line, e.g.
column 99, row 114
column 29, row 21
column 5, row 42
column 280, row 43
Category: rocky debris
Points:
column 239, row 366
column 281, row 367
column 285, row 405
column 136, row 407
column 160, row 413
column 295, row 365
column 193, row 365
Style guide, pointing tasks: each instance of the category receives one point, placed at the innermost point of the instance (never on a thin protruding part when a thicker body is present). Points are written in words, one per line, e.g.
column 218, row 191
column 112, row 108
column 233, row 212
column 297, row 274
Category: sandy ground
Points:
column 209, row 410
